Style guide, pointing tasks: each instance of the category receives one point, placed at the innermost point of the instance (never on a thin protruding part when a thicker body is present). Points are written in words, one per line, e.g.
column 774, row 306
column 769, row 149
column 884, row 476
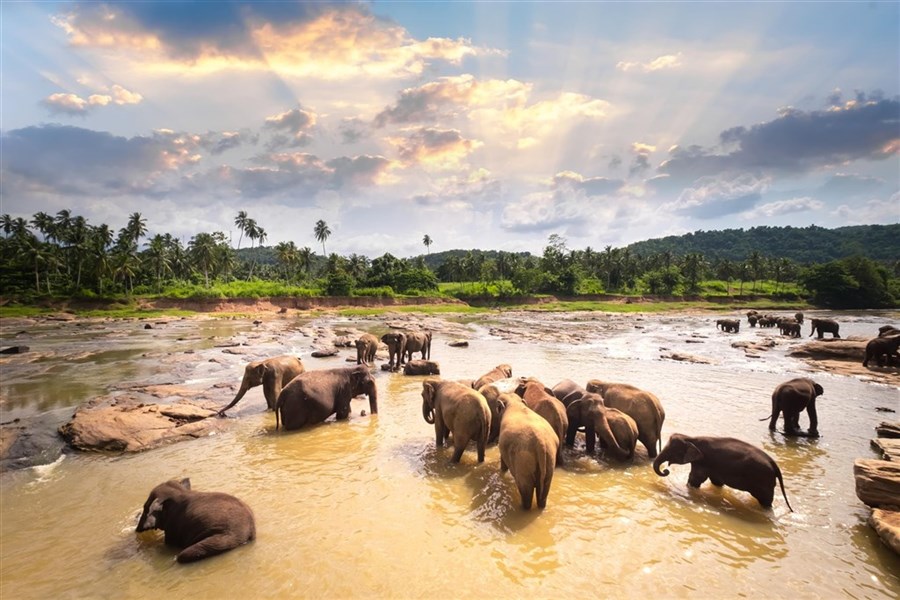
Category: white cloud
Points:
column 784, row 207
column 667, row 61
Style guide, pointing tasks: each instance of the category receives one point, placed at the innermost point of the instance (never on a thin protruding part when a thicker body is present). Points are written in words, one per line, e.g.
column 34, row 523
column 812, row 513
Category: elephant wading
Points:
column 540, row 399
column 396, row 343
column 366, row 346
column 499, row 372
column 456, row 409
column 567, row 391
column 791, row 398
column 314, row 396
column 883, row 346
column 724, row 461
column 418, row 341
column 729, row 325
column 202, row 523
column 597, row 420
column 642, row 406
column 824, row 326
column 528, row 449
column 272, row 373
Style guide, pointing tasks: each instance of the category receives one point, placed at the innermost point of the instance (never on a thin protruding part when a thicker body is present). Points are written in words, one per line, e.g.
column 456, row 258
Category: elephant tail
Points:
column 781, row 483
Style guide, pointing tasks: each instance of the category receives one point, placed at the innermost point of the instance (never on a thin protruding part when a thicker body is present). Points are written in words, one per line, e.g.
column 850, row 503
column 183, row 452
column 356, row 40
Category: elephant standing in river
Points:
column 791, row 398
column 528, row 449
column 540, row 399
column 590, row 413
column 456, row 409
column 418, row 341
column 824, row 326
column 366, row 347
column 642, row 406
column 886, row 347
column 396, row 343
column 729, row 325
column 313, row 396
column 273, row 373
column 724, row 461
column 499, row 372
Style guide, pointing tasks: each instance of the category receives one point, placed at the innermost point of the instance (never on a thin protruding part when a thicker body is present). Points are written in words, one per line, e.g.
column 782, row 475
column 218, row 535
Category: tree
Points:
column 693, row 269
column 322, row 232
column 288, row 256
column 755, row 263
column 240, row 222
column 427, row 241
column 202, row 250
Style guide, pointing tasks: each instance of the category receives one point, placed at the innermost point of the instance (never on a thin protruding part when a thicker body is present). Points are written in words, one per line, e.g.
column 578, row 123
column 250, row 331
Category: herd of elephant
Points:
column 529, row 421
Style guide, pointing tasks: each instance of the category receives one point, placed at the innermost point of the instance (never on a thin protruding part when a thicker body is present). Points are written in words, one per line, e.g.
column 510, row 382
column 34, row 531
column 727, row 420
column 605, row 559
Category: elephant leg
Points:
column 764, row 495
column 438, row 430
column 526, row 491
column 698, row 475
column 459, row 446
column 791, row 421
column 481, row 444
column 716, row 481
column 214, row 544
column 342, row 410
column 503, row 466
column 813, row 419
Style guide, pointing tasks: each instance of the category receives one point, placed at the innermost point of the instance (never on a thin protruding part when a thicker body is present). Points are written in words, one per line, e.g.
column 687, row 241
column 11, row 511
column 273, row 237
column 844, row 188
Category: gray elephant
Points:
column 888, row 331
column 789, row 327
column 366, row 347
column 396, row 343
column 502, row 371
column 729, row 325
column 886, row 347
column 273, row 373
column 567, row 391
column 202, row 523
column 540, row 399
column 590, row 413
column 418, row 341
column 421, row 367
column 724, row 461
column 799, row 317
column 642, row 406
column 824, row 326
column 459, row 410
column 528, row 450
column 791, row 398
column 314, row 396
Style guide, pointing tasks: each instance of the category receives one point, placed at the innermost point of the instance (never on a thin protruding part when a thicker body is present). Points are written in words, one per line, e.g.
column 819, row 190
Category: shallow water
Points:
column 369, row 507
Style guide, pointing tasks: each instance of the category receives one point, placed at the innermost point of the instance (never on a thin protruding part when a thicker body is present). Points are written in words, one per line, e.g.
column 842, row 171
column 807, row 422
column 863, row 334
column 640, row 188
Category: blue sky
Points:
column 482, row 124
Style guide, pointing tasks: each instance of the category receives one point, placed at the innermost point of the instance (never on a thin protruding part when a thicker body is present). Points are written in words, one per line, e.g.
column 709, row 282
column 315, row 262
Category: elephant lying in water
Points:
column 273, row 373
column 202, row 523
column 313, row 396
column 724, row 461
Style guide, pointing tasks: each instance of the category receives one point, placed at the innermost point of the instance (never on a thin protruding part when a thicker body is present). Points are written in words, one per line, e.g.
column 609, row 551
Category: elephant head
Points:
column 679, row 451
column 155, row 515
column 428, row 391
column 589, row 412
column 362, row 382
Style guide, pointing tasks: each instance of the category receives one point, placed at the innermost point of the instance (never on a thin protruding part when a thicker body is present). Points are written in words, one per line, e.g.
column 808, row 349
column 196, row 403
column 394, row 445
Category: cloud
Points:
column 843, row 185
column 73, row 104
column 300, row 39
column 713, row 197
column 591, row 186
column 352, row 130
column 873, row 211
column 461, row 193
column 434, row 147
column 667, row 61
column 291, row 127
column 641, row 160
column 784, row 207
column 217, row 142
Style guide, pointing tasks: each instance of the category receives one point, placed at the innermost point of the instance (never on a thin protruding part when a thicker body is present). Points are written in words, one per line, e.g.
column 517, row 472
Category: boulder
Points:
column 889, row 449
column 14, row 350
column 887, row 524
column 851, row 349
column 887, row 429
column 877, row 481
column 324, row 352
column 687, row 358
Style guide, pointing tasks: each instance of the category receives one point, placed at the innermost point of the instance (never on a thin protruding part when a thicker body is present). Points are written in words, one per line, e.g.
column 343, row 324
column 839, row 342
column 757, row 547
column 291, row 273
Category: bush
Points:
column 339, row 283
column 384, row 291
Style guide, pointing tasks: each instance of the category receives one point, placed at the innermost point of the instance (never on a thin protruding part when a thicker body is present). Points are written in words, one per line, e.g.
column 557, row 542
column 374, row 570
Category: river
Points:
column 370, row 508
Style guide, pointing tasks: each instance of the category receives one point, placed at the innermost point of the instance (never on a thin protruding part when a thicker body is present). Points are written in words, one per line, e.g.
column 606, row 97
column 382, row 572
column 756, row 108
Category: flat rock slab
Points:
column 324, row 352
column 687, row 358
column 877, row 481
column 888, row 429
column 889, row 448
column 840, row 349
column 887, row 524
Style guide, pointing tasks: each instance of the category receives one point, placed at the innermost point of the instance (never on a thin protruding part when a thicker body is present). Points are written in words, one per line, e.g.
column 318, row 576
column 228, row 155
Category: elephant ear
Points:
column 819, row 389
column 692, row 453
column 186, row 483
column 573, row 410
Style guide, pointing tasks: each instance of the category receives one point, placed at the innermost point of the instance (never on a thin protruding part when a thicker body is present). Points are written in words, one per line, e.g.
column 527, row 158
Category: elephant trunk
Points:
column 660, row 459
column 237, row 398
column 427, row 412
column 372, row 392
column 612, row 443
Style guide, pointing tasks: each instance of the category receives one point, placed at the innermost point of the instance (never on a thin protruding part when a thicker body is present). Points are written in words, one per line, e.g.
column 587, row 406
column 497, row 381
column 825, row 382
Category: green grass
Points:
column 428, row 309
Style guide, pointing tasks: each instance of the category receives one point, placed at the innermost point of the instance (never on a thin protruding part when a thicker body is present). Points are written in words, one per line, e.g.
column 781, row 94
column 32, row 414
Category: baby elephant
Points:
column 724, row 461
column 203, row 523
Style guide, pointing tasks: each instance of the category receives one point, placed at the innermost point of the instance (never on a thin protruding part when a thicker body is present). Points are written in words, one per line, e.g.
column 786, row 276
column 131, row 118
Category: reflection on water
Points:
column 369, row 507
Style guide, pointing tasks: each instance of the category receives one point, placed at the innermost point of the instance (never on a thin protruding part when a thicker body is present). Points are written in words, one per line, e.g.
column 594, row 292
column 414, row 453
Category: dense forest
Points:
column 63, row 255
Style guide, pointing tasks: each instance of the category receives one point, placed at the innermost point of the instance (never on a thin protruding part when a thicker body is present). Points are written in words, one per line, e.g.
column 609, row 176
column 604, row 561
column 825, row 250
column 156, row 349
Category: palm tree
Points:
column 427, row 241
column 304, row 259
column 322, row 232
column 241, row 221
column 755, row 263
column 6, row 222
column 286, row 253
column 357, row 265
column 202, row 250
column 136, row 227
column 157, row 256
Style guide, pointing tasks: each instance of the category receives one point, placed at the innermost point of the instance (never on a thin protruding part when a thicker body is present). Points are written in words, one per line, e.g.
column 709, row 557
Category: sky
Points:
column 486, row 125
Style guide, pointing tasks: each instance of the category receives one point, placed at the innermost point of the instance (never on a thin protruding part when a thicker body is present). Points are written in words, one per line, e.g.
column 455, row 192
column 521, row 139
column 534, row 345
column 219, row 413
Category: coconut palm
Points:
column 241, row 221
column 322, row 232
column 202, row 251
column 427, row 241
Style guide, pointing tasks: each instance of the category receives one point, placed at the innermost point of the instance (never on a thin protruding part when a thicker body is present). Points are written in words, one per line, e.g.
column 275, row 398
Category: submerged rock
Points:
column 887, row 524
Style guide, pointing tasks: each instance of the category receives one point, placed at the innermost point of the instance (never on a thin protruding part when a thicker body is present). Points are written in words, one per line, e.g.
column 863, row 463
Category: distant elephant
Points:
column 499, row 372
column 540, row 399
column 590, row 413
column 272, row 373
column 752, row 319
column 767, row 321
column 418, row 341
column 729, row 325
column 791, row 398
column 366, row 346
column 528, row 449
column 824, row 326
column 789, row 327
column 883, row 346
column 888, row 331
column 799, row 317
column 396, row 343
column 458, row 410
column 421, row 367
column 314, row 396
column 567, row 391
column 642, row 406
column 724, row 461
column 202, row 523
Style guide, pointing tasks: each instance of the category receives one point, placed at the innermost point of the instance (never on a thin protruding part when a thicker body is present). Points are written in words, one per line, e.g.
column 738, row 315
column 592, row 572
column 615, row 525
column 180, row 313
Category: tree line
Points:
column 64, row 255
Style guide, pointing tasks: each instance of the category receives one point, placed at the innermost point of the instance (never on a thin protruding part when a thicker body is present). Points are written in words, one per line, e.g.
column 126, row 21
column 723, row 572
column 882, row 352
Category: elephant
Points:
column 528, row 449
column 366, row 346
column 825, row 326
column 499, row 372
column 724, row 461
column 418, row 341
column 202, row 523
column 314, row 396
column 888, row 331
column 421, row 367
column 792, row 397
column 491, row 392
column 789, row 327
column 799, row 317
column 272, row 373
column 396, row 343
column 729, row 325
column 540, row 399
column 642, row 406
column 883, row 346
column 567, row 391
column 590, row 413
column 767, row 321
column 752, row 319
column 459, row 410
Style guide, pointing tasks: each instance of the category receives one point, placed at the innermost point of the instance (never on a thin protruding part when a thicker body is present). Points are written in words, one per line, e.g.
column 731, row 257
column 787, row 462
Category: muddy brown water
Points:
column 369, row 507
